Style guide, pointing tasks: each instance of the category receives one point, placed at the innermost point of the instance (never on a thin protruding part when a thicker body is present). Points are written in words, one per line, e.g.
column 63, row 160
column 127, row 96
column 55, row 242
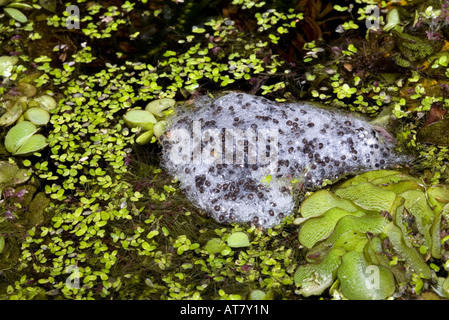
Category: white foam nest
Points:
column 236, row 157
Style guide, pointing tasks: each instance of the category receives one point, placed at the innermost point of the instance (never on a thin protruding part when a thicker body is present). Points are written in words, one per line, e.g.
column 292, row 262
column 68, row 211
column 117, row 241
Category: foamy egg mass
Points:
column 244, row 158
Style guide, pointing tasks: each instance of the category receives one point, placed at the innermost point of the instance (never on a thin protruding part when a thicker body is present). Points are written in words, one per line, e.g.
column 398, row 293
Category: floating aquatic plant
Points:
column 14, row 110
column 22, row 139
column 38, row 116
column 11, row 174
column 151, row 120
column 238, row 239
column 46, row 102
column 13, row 10
column 157, row 107
column 137, row 240
column 358, row 233
column 309, row 146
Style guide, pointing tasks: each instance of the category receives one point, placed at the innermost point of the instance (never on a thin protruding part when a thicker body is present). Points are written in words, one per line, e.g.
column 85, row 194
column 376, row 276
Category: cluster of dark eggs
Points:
column 244, row 158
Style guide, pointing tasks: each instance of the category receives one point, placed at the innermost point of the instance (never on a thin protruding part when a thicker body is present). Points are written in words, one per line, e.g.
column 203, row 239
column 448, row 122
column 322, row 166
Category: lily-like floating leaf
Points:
column 347, row 234
column 33, row 144
column 26, row 89
column 361, row 281
column 140, row 119
column 38, row 116
column 19, row 5
column 16, row 14
column 438, row 197
column 313, row 279
column 368, row 196
column 157, row 107
column 412, row 256
column 256, row 295
column 316, row 229
column 321, row 201
column 6, row 65
column 46, row 102
column 18, row 135
column 416, row 205
column 368, row 177
column 403, row 186
column 394, row 178
column 392, row 19
column 12, row 114
column 11, row 174
column 215, row 245
column 435, row 133
column 145, row 137
column 159, row 128
column 260, row 295
column 238, row 240
column 445, row 287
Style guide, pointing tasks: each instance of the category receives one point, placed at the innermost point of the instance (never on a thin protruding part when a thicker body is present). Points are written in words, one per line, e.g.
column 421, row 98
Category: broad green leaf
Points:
column 16, row 14
column 18, row 134
column 33, row 144
column 38, row 116
column 140, row 119
column 157, row 107
column 238, row 239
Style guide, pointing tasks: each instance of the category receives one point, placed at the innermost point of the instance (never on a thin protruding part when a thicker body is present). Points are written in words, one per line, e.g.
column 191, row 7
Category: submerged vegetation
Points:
column 86, row 211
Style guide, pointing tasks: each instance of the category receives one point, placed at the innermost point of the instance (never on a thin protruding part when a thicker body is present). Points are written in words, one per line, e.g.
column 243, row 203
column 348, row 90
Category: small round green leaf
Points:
column 6, row 65
column 140, row 119
column 156, row 107
column 256, row 295
column 46, row 102
column 238, row 240
column 38, row 116
column 215, row 245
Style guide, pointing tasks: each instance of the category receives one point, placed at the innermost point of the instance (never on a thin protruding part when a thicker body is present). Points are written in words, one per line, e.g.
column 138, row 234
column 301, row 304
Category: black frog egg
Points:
column 236, row 157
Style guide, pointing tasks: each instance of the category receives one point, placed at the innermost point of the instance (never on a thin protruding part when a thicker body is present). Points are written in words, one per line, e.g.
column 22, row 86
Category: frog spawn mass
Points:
column 244, row 158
